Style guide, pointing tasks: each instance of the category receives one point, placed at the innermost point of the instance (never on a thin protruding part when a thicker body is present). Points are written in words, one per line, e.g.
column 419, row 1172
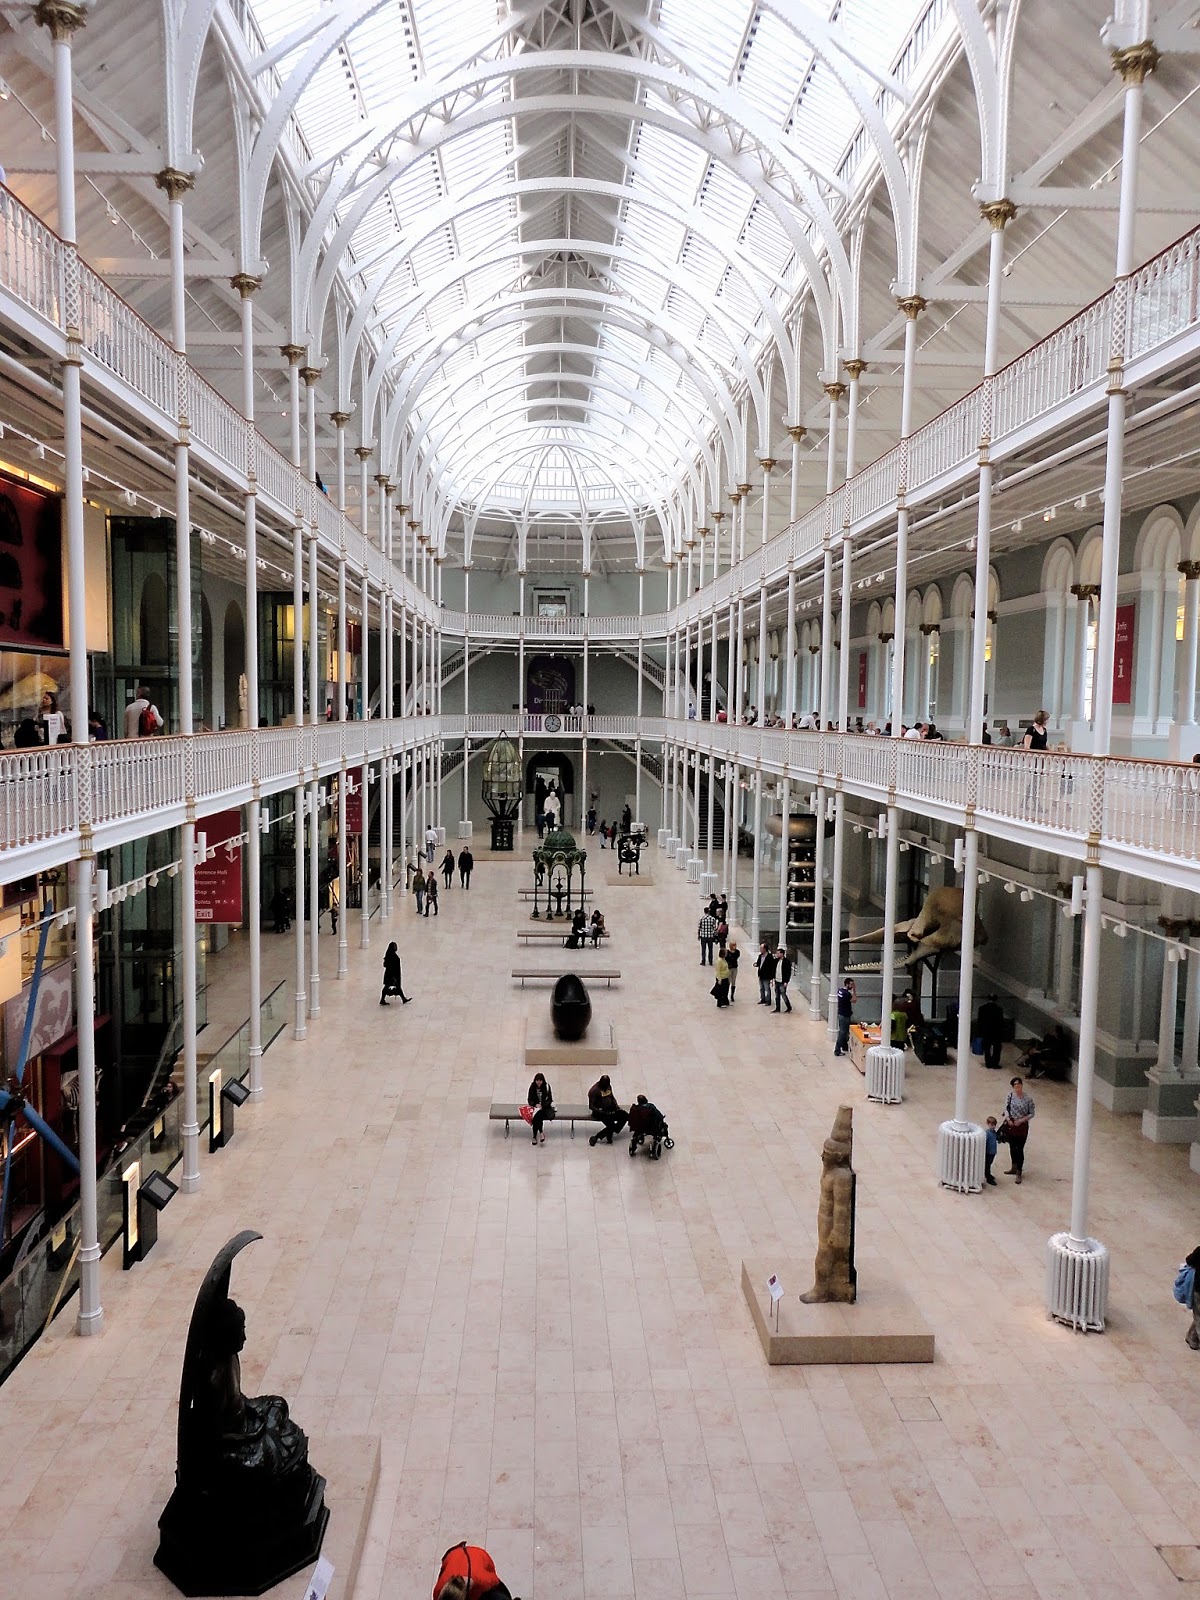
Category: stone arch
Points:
column 1159, row 541
column 1091, row 549
column 1058, row 568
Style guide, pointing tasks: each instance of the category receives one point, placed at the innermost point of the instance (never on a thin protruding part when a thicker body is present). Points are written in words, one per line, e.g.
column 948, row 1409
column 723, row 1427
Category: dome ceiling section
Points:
column 674, row 162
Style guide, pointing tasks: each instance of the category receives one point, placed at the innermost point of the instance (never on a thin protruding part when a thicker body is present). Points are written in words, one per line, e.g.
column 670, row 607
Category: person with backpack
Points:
column 141, row 717
column 1187, row 1292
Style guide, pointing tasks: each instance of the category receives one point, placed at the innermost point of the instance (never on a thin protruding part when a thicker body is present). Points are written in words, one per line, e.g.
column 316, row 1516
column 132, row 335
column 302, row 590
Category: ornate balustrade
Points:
column 1142, row 817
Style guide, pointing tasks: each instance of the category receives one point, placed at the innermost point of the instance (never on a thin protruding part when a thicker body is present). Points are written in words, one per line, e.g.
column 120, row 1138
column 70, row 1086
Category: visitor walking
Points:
column 431, row 893
column 706, row 933
column 448, row 869
column 783, row 976
column 466, row 862
column 846, row 996
column 141, row 717
column 1019, row 1111
column 392, row 979
column 418, row 888
column 1193, row 1333
column 469, row 1573
column 541, row 1101
column 764, row 961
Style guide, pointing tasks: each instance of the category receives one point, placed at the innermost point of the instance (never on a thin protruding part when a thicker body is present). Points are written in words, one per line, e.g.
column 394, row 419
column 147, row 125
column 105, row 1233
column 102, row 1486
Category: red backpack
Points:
column 147, row 722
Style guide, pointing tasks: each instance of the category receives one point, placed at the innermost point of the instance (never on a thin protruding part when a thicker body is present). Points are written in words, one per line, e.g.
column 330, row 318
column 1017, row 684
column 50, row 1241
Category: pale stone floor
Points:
column 552, row 1342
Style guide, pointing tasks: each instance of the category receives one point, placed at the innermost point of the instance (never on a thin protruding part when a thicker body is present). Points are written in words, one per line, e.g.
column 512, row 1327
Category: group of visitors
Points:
column 583, row 929
column 424, row 885
column 774, row 968
column 1013, row 1130
column 643, row 1117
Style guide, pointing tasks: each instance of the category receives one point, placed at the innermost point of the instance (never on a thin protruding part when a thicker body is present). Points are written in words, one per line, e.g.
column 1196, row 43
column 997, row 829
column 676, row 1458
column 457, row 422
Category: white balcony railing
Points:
column 1069, row 367
column 1143, row 816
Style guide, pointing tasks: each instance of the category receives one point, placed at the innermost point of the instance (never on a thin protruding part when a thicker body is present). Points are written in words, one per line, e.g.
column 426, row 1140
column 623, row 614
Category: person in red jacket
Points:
column 467, row 1573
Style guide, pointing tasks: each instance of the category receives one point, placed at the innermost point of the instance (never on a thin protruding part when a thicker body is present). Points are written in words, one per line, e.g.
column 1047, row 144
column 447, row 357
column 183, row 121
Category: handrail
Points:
column 1149, row 811
column 44, row 274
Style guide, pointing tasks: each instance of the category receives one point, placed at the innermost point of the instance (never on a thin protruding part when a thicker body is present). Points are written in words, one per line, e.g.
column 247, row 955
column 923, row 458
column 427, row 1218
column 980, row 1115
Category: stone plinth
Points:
column 618, row 880
column 883, row 1326
column 543, row 1048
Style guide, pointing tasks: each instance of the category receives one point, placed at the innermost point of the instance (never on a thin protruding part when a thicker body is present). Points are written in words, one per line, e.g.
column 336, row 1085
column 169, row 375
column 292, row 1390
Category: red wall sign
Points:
column 31, row 610
column 1122, row 684
column 354, row 800
column 862, row 680
column 219, row 880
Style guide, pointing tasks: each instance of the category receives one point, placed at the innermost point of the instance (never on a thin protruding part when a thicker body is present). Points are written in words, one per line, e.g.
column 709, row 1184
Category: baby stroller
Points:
column 646, row 1121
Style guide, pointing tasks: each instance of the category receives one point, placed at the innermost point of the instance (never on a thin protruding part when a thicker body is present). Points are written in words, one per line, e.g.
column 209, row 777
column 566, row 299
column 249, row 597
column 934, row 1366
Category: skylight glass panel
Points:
column 446, row 34
column 708, row 32
column 773, row 68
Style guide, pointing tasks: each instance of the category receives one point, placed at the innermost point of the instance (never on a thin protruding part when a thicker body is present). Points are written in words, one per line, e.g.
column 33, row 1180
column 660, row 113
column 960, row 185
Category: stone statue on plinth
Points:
column 248, row 1510
column 835, row 1276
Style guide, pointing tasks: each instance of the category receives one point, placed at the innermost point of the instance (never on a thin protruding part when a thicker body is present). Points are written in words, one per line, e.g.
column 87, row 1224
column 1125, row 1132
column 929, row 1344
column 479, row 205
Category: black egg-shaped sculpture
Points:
column 570, row 1007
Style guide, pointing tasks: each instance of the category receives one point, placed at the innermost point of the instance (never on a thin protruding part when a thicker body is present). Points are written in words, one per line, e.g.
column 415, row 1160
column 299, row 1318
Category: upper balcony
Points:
column 1140, row 817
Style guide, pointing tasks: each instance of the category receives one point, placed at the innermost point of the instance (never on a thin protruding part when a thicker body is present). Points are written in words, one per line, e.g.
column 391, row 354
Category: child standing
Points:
column 993, row 1144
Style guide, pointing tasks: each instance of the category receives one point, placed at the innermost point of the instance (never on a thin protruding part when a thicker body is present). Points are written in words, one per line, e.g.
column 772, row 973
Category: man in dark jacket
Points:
column 991, row 1029
column 466, row 862
column 783, row 976
column 604, row 1108
column 764, row 962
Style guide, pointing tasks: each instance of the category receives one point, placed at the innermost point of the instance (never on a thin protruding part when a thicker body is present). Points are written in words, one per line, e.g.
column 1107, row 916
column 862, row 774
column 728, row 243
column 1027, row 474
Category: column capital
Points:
column 1190, row 570
column 717, row 516
column 930, row 627
column 884, row 638
column 796, row 431
column 855, row 367
column 174, row 183
column 835, row 391
column 364, row 452
column 1086, row 591
column 1135, row 62
column 339, row 418
column 310, row 375
column 734, row 496
column 382, row 479
column 402, row 509
column 767, row 463
column 912, row 305
column 703, row 533
column 997, row 213
column 743, row 490
column 294, row 354
column 245, row 283
column 60, row 16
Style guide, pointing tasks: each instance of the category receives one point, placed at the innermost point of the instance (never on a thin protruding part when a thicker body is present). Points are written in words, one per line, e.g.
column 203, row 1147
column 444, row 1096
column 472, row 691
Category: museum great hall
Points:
column 762, row 436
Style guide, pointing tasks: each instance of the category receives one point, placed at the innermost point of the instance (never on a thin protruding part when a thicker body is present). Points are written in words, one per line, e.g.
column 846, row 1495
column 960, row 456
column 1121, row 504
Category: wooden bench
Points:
column 543, row 935
column 540, row 894
column 506, row 1113
column 540, row 975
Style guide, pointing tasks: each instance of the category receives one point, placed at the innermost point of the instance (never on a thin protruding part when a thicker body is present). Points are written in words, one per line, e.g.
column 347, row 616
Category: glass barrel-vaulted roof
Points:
column 572, row 223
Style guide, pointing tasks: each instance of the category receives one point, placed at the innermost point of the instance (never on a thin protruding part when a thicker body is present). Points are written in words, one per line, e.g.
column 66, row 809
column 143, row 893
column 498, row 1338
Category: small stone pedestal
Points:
column 663, row 835
column 465, row 830
column 831, row 1023
column 962, row 1147
column 693, row 869
column 708, row 883
column 885, row 1074
column 681, row 856
column 1077, row 1282
column 883, row 1325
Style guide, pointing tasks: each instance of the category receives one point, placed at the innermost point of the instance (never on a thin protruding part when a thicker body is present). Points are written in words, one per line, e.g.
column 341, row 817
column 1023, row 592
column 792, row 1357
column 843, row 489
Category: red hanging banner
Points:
column 219, row 880
column 354, row 800
column 1122, row 683
column 862, row 680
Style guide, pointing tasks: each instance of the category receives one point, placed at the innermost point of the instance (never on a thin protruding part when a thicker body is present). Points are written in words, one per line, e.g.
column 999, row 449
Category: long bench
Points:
column 540, row 894
column 541, row 935
column 540, row 975
column 506, row 1113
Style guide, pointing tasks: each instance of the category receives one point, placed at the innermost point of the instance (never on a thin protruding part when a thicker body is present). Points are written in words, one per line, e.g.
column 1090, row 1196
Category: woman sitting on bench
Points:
column 596, row 927
column 578, row 933
column 540, row 1101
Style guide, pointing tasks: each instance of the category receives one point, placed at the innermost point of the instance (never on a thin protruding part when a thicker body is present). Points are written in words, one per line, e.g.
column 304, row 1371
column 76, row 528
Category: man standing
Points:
column 431, row 842
column 991, row 1031
column 141, row 717
column 465, row 863
column 845, row 1010
column 706, row 933
column 783, row 976
column 765, row 963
